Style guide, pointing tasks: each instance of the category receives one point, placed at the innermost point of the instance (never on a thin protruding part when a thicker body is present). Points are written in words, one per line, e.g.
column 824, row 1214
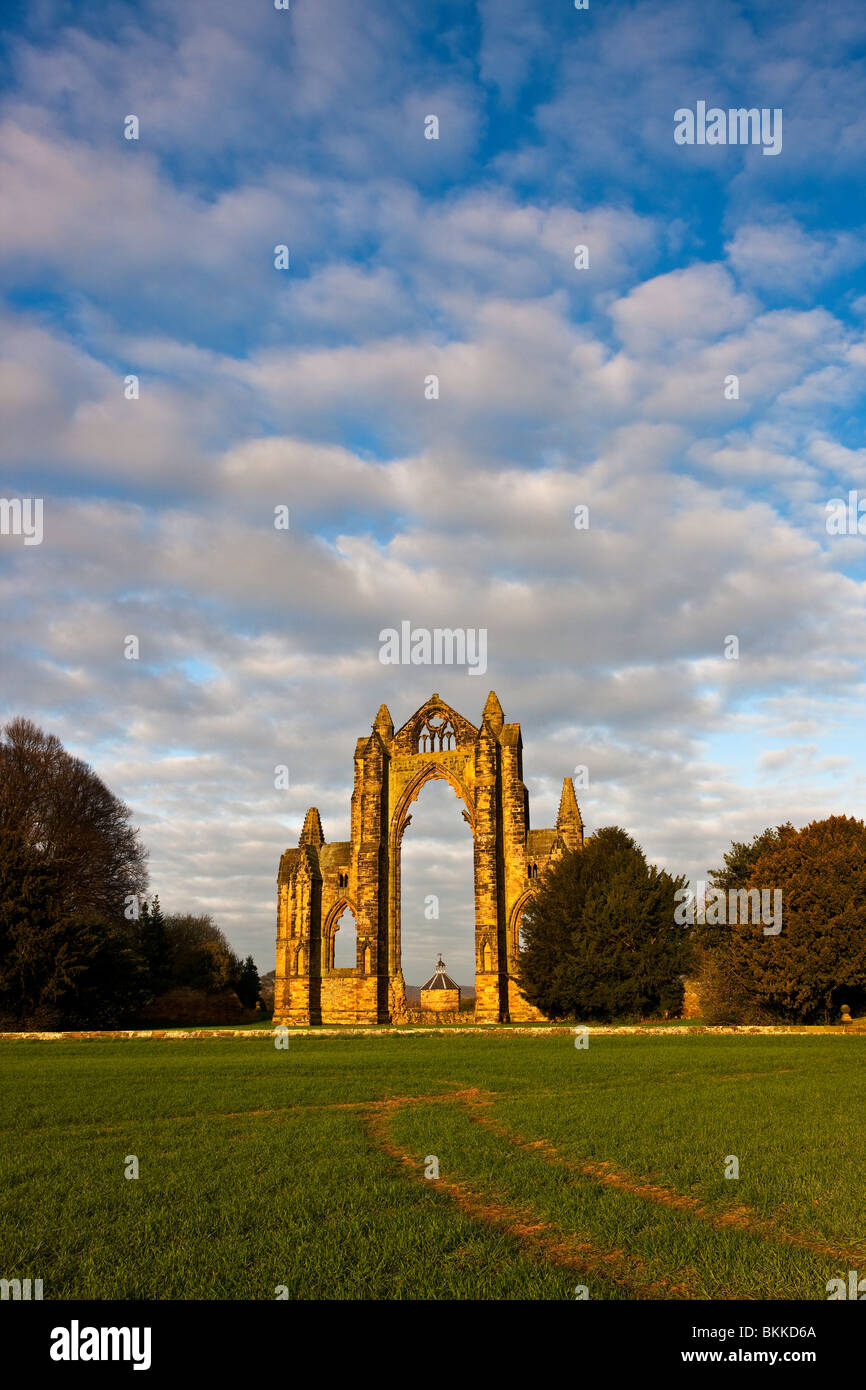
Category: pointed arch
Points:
column 429, row 771
column 330, row 929
column 514, row 923
column 344, row 941
column 432, row 772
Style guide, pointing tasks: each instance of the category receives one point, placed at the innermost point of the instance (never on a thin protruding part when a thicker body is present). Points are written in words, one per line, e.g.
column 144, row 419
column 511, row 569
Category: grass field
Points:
column 558, row 1167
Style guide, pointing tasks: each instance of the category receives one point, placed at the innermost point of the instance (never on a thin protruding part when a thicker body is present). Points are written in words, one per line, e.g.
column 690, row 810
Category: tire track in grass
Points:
column 85, row 1126
column 479, row 1104
column 523, row 1223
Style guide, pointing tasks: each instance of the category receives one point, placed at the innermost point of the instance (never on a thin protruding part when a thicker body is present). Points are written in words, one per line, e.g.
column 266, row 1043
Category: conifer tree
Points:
column 248, row 985
column 599, row 940
column 155, row 946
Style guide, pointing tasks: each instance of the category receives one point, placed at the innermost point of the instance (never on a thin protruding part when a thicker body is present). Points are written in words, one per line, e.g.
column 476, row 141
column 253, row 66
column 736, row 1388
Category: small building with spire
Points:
column 440, row 994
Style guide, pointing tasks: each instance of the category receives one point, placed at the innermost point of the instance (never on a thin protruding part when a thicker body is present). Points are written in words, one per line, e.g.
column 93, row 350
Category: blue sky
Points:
column 558, row 387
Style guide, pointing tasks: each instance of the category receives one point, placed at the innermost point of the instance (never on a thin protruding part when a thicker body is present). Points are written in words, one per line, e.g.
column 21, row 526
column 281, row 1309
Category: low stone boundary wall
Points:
column 398, row 1031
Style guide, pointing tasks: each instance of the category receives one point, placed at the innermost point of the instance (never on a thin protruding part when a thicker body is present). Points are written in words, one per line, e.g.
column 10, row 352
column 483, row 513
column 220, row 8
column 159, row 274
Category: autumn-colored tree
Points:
column 599, row 940
column 742, row 857
column 818, row 960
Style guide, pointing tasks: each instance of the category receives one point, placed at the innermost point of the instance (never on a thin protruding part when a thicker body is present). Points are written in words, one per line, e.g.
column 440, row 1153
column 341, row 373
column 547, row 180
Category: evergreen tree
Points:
column 599, row 937
column 155, row 946
column 248, row 984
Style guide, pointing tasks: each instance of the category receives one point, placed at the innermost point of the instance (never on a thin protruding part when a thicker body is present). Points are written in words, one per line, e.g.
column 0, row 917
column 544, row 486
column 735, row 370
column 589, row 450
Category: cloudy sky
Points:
column 559, row 387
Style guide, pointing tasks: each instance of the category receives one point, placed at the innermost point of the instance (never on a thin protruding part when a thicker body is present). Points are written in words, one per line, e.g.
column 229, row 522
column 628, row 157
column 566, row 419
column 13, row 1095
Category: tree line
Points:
column 601, row 940
column 81, row 943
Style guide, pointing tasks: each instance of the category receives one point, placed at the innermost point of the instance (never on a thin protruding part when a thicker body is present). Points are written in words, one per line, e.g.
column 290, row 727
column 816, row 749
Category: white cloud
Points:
column 557, row 387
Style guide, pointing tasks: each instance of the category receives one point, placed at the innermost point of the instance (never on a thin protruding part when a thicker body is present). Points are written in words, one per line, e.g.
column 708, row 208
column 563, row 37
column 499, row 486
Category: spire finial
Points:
column 569, row 822
column 312, row 833
column 383, row 723
column 493, row 712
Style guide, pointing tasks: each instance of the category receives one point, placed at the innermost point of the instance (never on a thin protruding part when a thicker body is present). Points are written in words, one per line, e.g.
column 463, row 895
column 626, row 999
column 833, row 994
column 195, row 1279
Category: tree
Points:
column 66, row 814
column 109, row 982
column 155, row 946
column 742, row 857
column 599, row 937
column 201, row 957
column 818, row 960
column 58, row 968
column 69, row 863
column 28, row 937
column 248, row 984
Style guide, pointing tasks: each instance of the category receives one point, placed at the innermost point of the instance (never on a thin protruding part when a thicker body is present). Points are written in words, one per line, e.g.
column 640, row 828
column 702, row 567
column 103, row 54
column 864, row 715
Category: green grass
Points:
column 231, row 1203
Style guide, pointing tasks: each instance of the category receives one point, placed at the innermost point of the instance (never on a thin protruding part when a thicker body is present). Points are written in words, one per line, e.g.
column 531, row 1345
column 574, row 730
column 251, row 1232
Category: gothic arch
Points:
column 432, row 773
column 329, row 929
column 514, row 924
column 318, row 881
